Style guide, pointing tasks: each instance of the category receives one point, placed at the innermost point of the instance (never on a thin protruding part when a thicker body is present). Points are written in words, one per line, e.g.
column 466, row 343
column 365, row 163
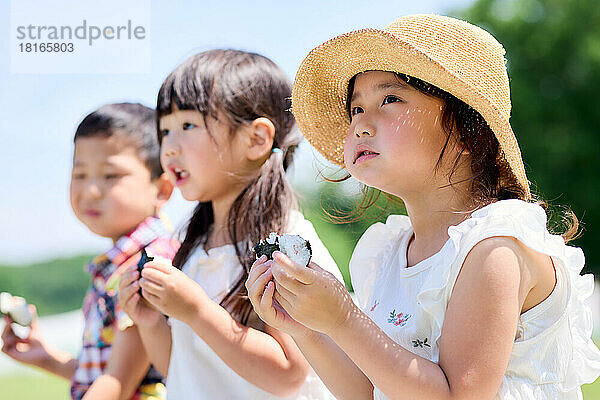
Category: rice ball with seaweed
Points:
column 267, row 246
column 294, row 246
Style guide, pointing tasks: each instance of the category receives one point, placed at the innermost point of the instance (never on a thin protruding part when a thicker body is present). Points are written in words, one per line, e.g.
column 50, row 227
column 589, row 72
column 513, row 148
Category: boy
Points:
column 117, row 190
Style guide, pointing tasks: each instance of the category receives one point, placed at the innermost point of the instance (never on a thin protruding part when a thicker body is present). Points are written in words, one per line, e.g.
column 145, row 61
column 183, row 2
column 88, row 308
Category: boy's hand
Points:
column 171, row 291
column 30, row 350
column 138, row 309
column 261, row 287
column 310, row 295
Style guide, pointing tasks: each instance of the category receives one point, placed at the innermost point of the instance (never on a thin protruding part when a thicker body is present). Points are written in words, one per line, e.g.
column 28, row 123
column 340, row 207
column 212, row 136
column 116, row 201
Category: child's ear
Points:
column 260, row 138
column 165, row 189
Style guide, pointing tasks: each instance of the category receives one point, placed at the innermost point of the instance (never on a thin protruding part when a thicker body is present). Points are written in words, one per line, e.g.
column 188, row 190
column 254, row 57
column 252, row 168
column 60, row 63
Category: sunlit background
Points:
column 553, row 51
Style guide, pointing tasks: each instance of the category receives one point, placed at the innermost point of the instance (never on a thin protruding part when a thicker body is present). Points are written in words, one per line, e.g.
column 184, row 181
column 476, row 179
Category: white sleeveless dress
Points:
column 195, row 370
column 553, row 354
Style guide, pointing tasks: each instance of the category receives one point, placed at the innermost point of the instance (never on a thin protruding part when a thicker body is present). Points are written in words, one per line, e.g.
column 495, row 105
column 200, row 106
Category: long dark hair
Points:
column 242, row 87
column 466, row 128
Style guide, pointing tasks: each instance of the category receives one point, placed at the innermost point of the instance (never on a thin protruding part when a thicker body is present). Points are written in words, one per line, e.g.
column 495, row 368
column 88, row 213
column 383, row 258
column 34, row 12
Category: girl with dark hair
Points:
column 227, row 138
column 469, row 296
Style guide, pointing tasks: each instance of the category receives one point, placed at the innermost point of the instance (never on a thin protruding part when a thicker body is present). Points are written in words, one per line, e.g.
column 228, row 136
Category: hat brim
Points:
column 320, row 92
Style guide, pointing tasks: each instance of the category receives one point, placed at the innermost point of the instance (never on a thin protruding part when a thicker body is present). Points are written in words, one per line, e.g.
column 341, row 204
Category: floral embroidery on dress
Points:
column 374, row 305
column 398, row 319
column 420, row 343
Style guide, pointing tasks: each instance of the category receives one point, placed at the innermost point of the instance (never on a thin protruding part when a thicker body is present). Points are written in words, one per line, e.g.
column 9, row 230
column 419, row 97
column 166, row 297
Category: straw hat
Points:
column 457, row 57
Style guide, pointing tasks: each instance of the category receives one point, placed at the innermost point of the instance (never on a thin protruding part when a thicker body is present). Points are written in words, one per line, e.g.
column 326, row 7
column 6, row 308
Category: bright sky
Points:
column 41, row 111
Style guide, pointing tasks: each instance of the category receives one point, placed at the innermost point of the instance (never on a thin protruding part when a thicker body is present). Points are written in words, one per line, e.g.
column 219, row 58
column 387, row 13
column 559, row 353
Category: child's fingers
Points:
column 257, row 289
column 152, row 299
column 154, row 275
column 301, row 273
column 132, row 301
column 151, row 287
column 286, row 280
column 283, row 302
column 158, row 266
column 129, row 276
column 34, row 320
column 9, row 349
column 266, row 302
column 256, row 271
column 315, row 267
column 8, row 336
column 128, row 291
column 260, row 260
column 289, row 296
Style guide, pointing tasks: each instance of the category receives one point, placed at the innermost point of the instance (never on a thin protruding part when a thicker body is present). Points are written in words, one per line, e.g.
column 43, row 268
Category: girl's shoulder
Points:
column 503, row 215
column 555, row 326
column 514, row 226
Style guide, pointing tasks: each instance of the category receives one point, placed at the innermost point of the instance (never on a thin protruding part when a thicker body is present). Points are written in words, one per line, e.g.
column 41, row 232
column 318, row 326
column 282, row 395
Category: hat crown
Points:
column 468, row 52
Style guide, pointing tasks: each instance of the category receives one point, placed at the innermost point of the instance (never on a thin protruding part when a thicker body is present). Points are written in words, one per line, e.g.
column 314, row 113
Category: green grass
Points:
column 33, row 386
column 592, row 391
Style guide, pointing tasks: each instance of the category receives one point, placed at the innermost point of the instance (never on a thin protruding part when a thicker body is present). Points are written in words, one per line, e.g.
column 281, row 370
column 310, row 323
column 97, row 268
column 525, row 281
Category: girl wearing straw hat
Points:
column 469, row 296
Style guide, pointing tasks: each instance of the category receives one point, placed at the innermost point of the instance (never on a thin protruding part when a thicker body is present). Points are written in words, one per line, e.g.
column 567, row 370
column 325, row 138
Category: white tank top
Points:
column 195, row 370
column 552, row 355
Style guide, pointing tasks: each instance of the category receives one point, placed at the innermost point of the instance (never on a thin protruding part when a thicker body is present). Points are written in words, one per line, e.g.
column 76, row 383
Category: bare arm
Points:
column 34, row 351
column 152, row 326
column 270, row 359
column 126, row 368
column 157, row 342
column 339, row 373
column 477, row 335
column 60, row 363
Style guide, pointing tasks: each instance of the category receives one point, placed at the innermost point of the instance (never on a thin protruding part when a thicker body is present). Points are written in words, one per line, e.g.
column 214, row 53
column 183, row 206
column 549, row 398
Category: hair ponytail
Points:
column 261, row 208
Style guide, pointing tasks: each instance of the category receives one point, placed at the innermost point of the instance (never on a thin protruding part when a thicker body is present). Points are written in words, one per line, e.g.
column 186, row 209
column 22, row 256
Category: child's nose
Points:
column 170, row 146
column 92, row 190
column 364, row 130
column 366, row 125
column 171, row 152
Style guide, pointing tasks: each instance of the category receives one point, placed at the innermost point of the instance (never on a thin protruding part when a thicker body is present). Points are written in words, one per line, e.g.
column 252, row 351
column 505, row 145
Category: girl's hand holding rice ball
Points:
column 158, row 285
column 306, row 296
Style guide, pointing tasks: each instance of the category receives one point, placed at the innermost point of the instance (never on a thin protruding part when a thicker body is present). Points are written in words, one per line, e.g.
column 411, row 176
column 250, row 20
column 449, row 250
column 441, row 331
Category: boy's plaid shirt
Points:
column 102, row 315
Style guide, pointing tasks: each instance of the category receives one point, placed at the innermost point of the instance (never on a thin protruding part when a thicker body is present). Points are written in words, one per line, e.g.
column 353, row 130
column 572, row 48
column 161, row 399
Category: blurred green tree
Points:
column 553, row 53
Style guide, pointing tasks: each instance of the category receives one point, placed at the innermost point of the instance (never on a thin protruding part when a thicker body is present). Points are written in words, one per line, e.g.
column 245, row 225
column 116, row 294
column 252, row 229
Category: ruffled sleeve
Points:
column 372, row 253
column 584, row 364
column 562, row 357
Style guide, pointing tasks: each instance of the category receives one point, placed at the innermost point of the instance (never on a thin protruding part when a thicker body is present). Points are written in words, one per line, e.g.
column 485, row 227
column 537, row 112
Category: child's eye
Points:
column 390, row 99
column 112, row 176
column 78, row 176
column 164, row 133
column 355, row 110
column 187, row 126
